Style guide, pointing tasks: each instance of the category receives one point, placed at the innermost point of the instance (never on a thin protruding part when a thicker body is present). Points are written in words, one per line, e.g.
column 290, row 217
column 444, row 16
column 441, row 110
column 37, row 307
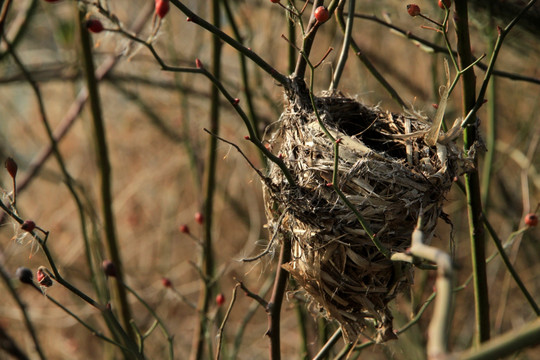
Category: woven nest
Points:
column 387, row 172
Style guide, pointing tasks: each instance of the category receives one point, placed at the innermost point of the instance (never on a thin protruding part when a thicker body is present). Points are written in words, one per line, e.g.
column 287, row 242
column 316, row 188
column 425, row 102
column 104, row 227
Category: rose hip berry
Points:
column 28, row 225
column 413, row 9
column 220, row 299
column 443, row 3
column 108, row 268
column 166, row 282
column 531, row 219
column 94, row 26
column 199, row 218
column 184, row 229
column 322, row 14
column 162, row 8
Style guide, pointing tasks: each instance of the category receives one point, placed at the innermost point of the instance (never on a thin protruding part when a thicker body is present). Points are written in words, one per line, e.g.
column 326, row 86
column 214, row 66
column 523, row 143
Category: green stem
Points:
column 329, row 345
column 346, row 43
column 160, row 322
column 105, row 172
column 472, row 181
column 207, row 267
column 507, row 344
column 274, row 305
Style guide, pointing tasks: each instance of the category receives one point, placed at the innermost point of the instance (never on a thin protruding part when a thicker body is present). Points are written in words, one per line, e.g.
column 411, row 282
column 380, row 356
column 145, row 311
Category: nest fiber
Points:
column 388, row 174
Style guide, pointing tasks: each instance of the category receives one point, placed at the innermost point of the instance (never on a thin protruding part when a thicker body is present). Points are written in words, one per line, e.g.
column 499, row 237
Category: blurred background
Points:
column 154, row 123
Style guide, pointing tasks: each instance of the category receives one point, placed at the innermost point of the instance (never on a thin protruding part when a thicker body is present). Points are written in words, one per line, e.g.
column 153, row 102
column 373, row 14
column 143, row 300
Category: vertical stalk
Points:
column 274, row 305
column 291, row 34
column 472, row 181
column 491, row 135
column 208, row 205
column 105, row 169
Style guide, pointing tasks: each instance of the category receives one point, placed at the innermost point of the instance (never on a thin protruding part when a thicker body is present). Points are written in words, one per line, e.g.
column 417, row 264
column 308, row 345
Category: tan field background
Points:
column 154, row 124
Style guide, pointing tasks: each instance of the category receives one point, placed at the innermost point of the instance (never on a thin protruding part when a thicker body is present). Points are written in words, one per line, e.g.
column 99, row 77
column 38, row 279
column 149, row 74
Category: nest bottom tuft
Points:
column 389, row 175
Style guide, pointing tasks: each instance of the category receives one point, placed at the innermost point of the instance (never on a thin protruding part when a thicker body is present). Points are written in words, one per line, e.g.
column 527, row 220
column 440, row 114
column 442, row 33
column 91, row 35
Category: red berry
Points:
column 247, row 137
column 94, row 26
column 184, row 229
column 11, row 167
column 413, row 9
column 321, row 14
column 166, row 282
column 443, row 3
column 531, row 219
column 220, row 299
column 162, row 8
column 28, row 225
column 199, row 218
column 108, row 268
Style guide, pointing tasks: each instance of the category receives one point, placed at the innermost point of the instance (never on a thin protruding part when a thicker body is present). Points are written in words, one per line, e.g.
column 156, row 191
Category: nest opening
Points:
column 389, row 175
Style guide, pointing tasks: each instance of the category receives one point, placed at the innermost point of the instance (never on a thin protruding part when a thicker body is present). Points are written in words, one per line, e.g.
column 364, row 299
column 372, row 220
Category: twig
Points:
column 27, row 322
column 346, row 42
column 510, row 267
column 440, row 49
column 329, row 345
column 222, row 326
column 102, row 154
column 160, row 322
column 282, row 79
column 507, row 344
column 253, row 307
column 471, row 116
column 271, row 242
column 439, row 325
column 239, row 150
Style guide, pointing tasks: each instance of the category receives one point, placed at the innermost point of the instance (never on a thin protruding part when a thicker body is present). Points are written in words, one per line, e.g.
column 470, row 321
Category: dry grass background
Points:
column 156, row 189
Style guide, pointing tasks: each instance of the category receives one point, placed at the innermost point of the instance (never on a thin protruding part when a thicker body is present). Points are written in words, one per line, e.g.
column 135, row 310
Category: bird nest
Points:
column 388, row 174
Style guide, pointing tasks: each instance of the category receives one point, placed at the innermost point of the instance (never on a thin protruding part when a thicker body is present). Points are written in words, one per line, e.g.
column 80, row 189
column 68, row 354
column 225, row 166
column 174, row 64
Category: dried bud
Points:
column 247, row 137
column 220, row 299
column 43, row 277
column 166, row 282
column 24, row 275
column 108, row 268
column 11, row 167
column 28, row 225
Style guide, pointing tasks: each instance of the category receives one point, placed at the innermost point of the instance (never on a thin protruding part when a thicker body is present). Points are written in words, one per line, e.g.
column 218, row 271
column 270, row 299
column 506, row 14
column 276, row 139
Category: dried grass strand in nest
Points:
column 387, row 173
